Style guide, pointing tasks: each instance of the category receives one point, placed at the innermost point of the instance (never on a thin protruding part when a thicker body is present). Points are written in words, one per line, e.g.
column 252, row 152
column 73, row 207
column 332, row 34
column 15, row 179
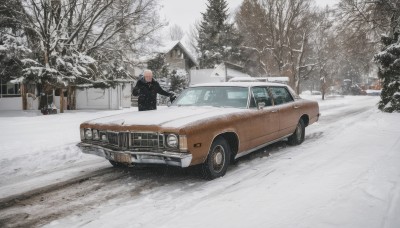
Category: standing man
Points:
column 147, row 88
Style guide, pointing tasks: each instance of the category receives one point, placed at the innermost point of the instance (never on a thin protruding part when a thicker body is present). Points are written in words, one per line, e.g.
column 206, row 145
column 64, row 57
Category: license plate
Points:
column 150, row 157
column 123, row 158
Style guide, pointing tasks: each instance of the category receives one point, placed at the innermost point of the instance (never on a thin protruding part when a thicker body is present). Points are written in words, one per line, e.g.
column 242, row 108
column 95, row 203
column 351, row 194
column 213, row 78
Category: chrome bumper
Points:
column 166, row 157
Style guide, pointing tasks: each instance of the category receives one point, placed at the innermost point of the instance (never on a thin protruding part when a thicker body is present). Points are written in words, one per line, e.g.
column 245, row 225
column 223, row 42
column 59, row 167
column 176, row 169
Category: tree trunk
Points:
column 61, row 100
column 323, row 88
column 71, row 98
column 23, row 97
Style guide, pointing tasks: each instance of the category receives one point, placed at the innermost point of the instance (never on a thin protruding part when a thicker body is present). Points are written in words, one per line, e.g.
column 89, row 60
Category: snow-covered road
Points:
column 346, row 174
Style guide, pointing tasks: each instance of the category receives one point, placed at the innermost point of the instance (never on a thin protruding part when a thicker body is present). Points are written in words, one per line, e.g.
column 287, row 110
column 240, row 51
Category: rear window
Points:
column 281, row 95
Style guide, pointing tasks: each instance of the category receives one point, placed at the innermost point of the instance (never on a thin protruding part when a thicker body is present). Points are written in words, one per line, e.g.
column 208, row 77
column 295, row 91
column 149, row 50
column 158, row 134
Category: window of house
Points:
column 9, row 89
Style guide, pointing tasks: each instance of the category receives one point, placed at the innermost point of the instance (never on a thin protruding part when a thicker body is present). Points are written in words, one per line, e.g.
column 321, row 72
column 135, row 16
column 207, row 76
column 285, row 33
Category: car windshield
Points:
column 217, row 96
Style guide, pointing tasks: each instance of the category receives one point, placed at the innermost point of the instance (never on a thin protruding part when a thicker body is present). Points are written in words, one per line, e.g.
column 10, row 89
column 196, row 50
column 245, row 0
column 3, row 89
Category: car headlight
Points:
column 88, row 134
column 104, row 137
column 172, row 140
column 96, row 135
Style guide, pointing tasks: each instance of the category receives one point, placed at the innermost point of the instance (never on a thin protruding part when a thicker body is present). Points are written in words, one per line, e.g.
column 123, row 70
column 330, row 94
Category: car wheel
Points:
column 298, row 135
column 217, row 160
column 117, row 164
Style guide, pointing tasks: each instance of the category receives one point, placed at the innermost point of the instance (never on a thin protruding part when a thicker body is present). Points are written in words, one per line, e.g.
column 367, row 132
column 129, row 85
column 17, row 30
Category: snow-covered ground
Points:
column 36, row 150
column 345, row 174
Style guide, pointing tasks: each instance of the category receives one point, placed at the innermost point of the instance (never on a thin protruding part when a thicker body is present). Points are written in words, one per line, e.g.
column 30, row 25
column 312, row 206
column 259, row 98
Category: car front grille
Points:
column 117, row 139
column 143, row 141
column 113, row 138
column 146, row 140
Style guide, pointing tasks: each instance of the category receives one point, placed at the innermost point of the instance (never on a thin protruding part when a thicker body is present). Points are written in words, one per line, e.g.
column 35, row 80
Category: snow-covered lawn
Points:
column 345, row 174
column 35, row 150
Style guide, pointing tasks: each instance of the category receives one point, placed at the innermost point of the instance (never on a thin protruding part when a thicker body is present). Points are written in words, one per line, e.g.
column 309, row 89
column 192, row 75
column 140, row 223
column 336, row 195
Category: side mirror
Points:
column 261, row 105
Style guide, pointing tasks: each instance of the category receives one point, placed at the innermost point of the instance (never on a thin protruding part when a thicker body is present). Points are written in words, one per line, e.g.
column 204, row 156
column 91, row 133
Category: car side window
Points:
column 281, row 95
column 260, row 94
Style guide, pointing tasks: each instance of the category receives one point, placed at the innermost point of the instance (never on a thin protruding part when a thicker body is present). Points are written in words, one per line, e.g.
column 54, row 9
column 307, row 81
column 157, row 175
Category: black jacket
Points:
column 147, row 92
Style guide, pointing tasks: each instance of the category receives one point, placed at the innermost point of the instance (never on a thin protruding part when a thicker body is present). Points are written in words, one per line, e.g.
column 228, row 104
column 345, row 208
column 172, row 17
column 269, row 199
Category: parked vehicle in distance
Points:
column 208, row 125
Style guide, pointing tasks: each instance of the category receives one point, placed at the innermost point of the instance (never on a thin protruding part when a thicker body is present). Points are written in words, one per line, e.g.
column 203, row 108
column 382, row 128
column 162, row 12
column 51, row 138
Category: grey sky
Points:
column 185, row 13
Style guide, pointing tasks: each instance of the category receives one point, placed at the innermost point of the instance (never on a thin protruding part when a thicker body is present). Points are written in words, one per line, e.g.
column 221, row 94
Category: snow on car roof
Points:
column 239, row 84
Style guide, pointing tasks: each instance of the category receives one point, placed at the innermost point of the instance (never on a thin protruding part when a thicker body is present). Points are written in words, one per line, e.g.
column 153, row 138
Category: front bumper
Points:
column 166, row 157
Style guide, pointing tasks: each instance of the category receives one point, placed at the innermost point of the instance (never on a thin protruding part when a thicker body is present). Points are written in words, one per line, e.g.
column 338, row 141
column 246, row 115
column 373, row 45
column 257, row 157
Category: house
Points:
column 10, row 95
column 14, row 95
column 175, row 54
column 86, row 98
column 178, row 57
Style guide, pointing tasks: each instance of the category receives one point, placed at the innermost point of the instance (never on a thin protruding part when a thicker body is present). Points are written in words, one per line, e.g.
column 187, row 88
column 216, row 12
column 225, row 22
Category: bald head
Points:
column 148, row 75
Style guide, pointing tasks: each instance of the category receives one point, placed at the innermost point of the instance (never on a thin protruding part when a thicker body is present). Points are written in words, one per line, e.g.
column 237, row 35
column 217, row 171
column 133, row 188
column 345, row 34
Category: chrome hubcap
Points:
column 218, row 158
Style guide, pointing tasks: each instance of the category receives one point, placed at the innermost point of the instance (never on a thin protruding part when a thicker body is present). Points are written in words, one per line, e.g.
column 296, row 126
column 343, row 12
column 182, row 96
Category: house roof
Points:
column 171, row 45
column 166, row 48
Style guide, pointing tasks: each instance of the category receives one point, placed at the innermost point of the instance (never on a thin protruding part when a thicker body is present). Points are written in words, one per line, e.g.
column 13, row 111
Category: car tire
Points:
column 117, row 164
column 218, row 159
column 298, row 135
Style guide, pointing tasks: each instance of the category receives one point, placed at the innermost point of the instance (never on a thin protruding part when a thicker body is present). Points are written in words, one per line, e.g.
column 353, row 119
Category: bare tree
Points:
column 252, row 23
column 359, row 27
column 191, row 41
column 276, row 33
column 175, row 32
column 325, row 50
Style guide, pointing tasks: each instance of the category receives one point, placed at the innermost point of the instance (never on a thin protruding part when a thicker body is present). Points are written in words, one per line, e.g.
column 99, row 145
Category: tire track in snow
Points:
column 76, row 196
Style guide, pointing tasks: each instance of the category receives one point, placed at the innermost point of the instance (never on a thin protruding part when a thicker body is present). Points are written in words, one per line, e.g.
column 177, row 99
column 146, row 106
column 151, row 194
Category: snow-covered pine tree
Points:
column 218, row 39
column 82, row 43
column 389, row 57
column 159, row 66
column 13, row 54
column 389, row 72
column 179, row 80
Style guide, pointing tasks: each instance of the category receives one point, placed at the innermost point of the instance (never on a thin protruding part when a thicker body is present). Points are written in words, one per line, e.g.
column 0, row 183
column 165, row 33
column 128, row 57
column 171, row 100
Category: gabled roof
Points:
column 166, row 48
column 171, row 45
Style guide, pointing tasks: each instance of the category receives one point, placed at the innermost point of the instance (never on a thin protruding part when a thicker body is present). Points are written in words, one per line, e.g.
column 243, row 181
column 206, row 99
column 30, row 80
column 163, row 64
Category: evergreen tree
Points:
column 13, row 56
column 178, row 80
column 389, row 73
column 389, row 58
column 218, row 39
column 158, row 66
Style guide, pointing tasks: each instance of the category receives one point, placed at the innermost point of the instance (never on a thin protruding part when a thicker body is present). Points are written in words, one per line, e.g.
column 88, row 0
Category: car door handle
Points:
column 296, row 107
column 274, row 111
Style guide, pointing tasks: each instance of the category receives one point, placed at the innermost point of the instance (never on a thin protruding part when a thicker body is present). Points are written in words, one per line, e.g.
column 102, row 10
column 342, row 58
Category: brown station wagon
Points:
column 208, row 125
